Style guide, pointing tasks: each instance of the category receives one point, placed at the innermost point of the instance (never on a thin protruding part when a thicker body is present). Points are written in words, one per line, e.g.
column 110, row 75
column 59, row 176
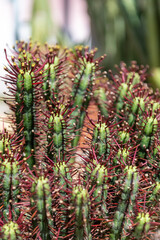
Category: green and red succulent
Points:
column 48, row 190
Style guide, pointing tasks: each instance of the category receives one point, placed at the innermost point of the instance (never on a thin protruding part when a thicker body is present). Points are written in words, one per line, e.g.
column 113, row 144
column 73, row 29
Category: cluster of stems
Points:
column 50, row 188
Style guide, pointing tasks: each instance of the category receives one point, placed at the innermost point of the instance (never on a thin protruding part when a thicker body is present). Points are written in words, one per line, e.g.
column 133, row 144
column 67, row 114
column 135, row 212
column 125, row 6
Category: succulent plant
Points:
column 50, row 186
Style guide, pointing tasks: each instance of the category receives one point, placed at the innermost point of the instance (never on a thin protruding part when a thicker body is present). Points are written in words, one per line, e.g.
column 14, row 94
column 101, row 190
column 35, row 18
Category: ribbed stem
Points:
column 28, row 118
column 81, row 90
column 64, row 183
column 122, row 223
column 143, row 225
column 56, row 137
column 100, row 140
column 10, row 187
column 42, row 200
column 101, row 97
column 82, row 210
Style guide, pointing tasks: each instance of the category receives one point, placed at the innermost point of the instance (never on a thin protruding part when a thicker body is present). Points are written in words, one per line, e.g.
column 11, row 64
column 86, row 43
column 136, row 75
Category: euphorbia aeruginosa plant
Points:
column 51, row 187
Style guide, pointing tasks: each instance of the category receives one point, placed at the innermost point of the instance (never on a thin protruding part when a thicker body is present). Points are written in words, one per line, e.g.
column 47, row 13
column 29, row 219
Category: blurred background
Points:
column 123, row 29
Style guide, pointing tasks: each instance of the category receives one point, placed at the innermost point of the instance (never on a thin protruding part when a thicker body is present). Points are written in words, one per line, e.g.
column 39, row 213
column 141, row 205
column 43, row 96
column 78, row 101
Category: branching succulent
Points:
column 53, row 188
